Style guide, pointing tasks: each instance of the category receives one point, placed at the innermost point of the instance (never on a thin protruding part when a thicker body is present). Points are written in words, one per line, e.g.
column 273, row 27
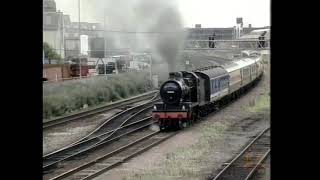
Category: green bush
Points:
column 65, row 97
column 50, row 53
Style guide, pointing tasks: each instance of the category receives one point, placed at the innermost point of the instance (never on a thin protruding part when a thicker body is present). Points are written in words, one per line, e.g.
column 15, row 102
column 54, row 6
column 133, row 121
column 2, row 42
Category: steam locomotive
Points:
column 189, row 95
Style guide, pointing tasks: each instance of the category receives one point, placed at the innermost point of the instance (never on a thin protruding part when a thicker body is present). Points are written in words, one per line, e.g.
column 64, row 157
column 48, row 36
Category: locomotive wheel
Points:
column 201, row 112
column 180, row 124
column 193, row 117
column 163, row 125
column 162, row 128
column 184, row 124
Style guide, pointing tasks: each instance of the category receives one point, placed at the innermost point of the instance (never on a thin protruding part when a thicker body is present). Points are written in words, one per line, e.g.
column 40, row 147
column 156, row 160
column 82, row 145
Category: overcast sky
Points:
column 208, row 13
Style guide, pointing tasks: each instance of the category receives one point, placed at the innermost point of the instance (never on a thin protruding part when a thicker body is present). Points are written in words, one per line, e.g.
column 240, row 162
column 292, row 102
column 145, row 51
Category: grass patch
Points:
column 187, row 162
column 69, row 96
column 262, row 103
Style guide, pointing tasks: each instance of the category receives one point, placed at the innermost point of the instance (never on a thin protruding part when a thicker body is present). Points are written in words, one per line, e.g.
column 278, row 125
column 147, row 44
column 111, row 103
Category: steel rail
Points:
column 110, row 154
column 241, row 153
column 258, row 164
column 92, row 147
column 108, row 120
column 97, row 110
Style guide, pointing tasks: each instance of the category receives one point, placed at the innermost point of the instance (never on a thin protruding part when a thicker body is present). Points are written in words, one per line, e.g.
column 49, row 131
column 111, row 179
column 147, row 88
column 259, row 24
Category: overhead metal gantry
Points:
column 238, row 44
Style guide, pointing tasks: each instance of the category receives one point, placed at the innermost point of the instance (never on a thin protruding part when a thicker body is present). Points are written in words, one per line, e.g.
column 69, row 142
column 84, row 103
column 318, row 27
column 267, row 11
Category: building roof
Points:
column 255, row 34
column 52, row 20
column 250, row 36
column 49, row 6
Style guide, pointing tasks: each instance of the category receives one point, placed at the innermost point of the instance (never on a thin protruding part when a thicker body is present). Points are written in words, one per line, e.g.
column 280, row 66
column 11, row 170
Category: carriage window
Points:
column 222, row 83
column 212, row 86
column 225, row 81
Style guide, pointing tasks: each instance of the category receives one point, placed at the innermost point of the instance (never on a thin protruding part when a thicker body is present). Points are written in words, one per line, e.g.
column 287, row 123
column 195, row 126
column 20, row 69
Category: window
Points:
column 212, row 86
column 223, row 82
column 246, row 72
column 48, row 20
column 253, row 68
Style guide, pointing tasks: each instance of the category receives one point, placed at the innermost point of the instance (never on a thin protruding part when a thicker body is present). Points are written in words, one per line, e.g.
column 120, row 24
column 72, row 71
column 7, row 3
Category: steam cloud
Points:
column 160, row 16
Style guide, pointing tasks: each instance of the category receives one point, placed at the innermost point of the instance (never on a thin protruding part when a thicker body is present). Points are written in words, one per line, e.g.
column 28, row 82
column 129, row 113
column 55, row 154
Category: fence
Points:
column 72, row 78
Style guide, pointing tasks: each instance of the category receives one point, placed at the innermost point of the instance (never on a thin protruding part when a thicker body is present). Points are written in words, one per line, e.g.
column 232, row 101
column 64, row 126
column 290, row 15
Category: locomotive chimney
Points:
column 171, row 75
column 175, row 75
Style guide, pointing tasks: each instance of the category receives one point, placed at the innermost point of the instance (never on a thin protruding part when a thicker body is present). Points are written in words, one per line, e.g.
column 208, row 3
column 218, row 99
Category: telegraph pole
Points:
column 151, row 69
column 79, row 40
column 105, row 43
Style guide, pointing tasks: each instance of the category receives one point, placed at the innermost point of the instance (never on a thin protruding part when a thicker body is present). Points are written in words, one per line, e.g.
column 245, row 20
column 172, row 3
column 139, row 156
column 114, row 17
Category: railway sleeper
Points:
column 48, row 171
column 113, row 159
column 103, row 165
column 88, row 171
column 81, row 175
column 81, row 156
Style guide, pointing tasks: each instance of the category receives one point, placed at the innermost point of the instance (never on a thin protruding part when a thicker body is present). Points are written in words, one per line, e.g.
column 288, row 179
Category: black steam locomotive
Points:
column 188, row 95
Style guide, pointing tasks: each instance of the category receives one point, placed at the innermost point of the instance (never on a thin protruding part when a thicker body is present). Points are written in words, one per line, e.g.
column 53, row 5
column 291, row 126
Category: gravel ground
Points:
column 200, row 151
column 263, row 172
column 60, row 136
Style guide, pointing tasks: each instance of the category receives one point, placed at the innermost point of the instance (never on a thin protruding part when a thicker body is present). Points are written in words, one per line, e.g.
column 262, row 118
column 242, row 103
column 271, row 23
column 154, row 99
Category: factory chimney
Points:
column 198, row 26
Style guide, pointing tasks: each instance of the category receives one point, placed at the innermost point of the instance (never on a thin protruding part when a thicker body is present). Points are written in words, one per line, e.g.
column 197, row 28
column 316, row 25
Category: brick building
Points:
column 55, row 71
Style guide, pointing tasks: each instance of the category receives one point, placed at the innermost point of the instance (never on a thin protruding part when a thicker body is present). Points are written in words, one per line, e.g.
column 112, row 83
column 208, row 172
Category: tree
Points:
column 50, row 53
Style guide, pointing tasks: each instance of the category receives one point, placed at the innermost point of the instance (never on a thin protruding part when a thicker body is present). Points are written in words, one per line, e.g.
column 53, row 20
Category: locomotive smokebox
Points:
column 172, row 91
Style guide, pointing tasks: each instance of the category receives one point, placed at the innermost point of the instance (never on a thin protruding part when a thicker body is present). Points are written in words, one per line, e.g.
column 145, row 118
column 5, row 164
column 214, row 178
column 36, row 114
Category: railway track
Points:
column 119, row 124
column 91, row 112
column 244, row 165
column 139, row 142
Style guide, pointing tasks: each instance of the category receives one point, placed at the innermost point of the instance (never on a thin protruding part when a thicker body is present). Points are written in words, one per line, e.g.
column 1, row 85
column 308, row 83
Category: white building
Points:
column 53, row 27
